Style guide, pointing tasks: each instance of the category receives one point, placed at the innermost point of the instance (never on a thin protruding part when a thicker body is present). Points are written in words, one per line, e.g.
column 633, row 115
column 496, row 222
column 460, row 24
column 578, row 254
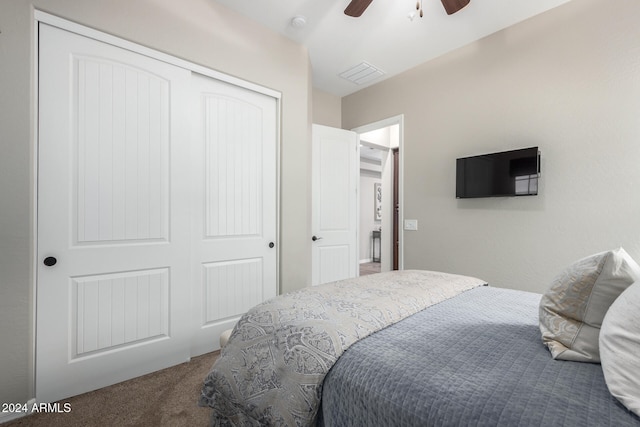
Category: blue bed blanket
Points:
column 473, row 360
column 272, row 368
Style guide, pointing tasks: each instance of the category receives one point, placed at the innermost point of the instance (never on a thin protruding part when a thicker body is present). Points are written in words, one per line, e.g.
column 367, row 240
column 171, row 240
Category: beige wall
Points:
column 567, row 81
column 327, row 109
column 200, row 31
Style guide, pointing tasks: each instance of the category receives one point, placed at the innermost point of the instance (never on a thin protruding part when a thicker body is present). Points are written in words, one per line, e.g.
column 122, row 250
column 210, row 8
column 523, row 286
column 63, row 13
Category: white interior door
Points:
column 113, row 215
column 334, row 223
column 234, row 239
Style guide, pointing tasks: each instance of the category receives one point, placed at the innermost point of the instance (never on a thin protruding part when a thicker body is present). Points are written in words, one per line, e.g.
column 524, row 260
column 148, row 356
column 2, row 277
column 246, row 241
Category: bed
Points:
column 476, row 359
column 465, row 354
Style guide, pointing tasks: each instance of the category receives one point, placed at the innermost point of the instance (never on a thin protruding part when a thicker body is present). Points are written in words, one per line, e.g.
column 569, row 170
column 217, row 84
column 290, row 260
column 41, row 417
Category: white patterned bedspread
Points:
column 271, row 370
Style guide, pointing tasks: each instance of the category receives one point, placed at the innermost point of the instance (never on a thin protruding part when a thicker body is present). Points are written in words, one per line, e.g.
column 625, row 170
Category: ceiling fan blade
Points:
column 357, row 7
column 452, row 6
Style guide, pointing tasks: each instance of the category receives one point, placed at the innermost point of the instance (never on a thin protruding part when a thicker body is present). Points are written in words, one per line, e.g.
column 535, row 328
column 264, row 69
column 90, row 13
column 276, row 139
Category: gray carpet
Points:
column 164, row 398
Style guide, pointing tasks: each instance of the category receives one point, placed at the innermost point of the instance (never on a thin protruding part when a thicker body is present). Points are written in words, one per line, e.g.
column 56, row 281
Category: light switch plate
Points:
column 410, row 224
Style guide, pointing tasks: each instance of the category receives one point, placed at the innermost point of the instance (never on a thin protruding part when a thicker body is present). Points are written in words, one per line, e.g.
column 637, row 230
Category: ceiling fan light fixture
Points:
column 419, row 8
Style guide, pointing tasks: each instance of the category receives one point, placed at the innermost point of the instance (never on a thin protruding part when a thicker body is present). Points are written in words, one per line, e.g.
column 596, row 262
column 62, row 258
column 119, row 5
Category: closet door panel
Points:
column 113, row 215
column 234, row 243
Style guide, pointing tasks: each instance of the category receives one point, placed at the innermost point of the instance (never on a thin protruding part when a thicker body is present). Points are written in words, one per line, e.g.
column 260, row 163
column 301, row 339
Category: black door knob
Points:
column 50, row 261
column 271, row 245
column 314, row 238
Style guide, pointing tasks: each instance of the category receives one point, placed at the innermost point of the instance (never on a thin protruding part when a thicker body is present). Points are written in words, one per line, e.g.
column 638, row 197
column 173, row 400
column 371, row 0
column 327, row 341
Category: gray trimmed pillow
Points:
column 572, row 309
column 620, row 348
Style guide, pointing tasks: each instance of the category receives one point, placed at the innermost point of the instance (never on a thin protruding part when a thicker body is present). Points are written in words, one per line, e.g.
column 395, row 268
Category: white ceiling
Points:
column 383, row 36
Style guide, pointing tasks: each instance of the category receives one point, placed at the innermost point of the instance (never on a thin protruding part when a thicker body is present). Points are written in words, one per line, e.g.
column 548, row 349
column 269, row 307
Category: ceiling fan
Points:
column 357, row 7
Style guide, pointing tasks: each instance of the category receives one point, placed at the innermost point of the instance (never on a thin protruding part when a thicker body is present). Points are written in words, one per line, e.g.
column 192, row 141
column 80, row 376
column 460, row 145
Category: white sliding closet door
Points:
column 234, row 238
column 113, row 214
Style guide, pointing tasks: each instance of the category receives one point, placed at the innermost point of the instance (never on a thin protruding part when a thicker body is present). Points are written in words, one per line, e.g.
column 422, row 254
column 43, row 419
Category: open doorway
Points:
column 370, row 199
column 380, row 193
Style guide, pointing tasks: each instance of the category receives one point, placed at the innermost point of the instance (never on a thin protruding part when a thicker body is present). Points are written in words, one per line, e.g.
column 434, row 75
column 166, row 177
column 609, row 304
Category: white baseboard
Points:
column 5, row 417
column 366, row 261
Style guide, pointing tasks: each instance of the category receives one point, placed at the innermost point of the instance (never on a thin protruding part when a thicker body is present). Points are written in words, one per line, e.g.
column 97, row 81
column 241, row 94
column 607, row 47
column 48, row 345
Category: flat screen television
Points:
column 508, row 173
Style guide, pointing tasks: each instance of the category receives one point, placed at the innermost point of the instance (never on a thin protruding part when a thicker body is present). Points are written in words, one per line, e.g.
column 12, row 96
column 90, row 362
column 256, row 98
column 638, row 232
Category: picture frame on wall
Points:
column 377, row 201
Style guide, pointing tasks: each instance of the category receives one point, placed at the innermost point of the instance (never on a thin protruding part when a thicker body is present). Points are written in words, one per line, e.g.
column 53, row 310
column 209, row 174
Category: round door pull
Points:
column 314, row 238
column 50, row 261
column 271, row 245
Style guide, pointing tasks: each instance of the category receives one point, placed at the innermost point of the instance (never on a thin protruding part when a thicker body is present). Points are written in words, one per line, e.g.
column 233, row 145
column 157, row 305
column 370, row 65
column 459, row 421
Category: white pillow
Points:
column 572, row 309
column 620, row 348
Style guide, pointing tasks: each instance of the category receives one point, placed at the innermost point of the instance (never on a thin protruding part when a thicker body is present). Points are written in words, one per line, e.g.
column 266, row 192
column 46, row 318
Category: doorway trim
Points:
column 395, row 120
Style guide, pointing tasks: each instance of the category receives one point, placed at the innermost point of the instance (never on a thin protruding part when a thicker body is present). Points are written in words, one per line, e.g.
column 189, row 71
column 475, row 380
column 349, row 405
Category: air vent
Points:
column 362, row 73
